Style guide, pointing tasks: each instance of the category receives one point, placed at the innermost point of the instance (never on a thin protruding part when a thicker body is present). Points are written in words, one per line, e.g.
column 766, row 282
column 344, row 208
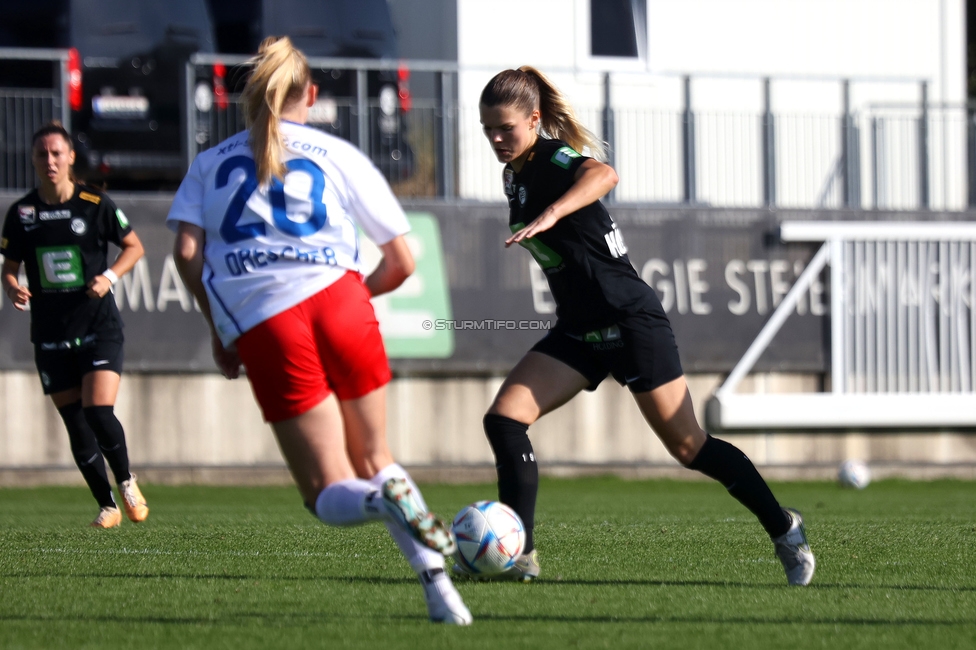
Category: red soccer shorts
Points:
column 329, row 343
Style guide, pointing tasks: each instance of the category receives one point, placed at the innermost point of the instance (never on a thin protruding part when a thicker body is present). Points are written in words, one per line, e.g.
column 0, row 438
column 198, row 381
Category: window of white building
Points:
column 617, row 33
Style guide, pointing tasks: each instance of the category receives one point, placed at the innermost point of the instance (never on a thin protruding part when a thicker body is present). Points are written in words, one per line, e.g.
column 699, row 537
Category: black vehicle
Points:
column 126, row 74
column 127, row 110
column 361, row 29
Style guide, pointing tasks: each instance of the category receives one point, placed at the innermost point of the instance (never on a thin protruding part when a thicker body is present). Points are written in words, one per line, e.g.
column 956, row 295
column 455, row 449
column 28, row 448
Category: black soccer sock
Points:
column 727, row 464
column 111, row 439
column 84, row 448
column 518, row 473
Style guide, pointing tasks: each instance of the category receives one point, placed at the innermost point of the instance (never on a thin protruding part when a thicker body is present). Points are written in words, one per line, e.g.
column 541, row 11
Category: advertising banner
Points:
column 475, row 307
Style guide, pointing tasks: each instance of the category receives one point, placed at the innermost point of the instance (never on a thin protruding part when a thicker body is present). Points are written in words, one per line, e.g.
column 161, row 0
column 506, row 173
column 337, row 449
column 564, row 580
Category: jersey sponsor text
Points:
column 54, row 215
column 248, row 260
column 615, row 242
column 60, row 267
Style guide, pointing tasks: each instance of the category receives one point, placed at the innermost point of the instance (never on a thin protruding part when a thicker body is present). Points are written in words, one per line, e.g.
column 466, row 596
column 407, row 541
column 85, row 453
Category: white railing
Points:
column 902, row 329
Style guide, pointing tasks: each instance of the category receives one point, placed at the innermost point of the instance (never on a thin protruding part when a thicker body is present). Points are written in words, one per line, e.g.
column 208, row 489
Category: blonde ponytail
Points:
column 527, row 89
column 280, row 76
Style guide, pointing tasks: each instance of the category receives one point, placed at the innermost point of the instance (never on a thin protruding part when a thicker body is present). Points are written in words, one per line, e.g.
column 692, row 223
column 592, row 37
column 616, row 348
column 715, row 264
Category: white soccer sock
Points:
column 349, row 502
column 419, row 556
column 396, row 471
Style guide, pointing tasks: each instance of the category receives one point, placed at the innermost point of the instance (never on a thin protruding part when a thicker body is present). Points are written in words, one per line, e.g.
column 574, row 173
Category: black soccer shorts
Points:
column 639, row 352
column 61, row 366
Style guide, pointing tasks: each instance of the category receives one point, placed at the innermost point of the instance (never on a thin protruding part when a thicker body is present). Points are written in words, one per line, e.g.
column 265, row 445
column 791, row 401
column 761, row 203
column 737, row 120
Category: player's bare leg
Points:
column 369, row 452
column 331, row 451
column 365, row 421
column 314, row 446
column 670, row 412
column 537, row 385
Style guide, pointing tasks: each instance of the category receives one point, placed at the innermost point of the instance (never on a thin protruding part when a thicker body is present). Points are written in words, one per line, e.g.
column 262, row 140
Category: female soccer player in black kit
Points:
column 60, row 232
column 609, row 322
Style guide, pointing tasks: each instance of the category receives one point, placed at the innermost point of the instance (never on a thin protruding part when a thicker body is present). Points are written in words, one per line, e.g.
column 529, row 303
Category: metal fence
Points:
column 902, row 334
column 24, row 110
column 418, row 156
column 906, row 156
column 883, row 156
column 919, row 156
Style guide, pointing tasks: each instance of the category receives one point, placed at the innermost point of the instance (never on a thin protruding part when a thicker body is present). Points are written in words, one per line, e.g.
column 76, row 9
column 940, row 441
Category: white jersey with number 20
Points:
column 269, row 248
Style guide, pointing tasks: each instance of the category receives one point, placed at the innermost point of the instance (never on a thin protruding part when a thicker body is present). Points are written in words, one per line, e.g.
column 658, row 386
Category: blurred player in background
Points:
column 609, row 322
column 266, row 241
column 60, row 232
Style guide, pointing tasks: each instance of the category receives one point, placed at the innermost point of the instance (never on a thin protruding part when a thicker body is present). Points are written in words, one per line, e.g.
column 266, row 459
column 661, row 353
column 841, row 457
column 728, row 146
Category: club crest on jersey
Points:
column 27, row 214
column 564, row 157
column 78, row 226
column 509, row 179
column 522, row 194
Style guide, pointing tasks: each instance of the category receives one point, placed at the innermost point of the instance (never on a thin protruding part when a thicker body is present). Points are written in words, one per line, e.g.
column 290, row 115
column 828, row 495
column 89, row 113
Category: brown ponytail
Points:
column 527, row 89
column 280, row 76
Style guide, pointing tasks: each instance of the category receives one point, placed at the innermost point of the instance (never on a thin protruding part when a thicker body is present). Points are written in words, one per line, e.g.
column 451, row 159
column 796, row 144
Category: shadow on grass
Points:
column 380, row 580
column 284, row 619
column 753, row 585
column 215, row 576
column 732, row 620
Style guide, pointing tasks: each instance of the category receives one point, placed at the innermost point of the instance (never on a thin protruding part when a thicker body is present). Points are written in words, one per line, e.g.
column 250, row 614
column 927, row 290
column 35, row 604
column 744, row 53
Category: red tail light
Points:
column 220, row 87
column 74, row 79
column 403, row 90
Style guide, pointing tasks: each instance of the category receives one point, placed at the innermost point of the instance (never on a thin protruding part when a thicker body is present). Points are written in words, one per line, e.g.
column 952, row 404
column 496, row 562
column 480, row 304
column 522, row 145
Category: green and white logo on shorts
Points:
column 564, row 157
column 60, row 267
column 123, row 221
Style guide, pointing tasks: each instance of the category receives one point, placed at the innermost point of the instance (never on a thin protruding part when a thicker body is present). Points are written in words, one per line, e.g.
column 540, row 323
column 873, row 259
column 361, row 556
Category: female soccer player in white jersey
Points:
column 267, row 242
column 609, row 322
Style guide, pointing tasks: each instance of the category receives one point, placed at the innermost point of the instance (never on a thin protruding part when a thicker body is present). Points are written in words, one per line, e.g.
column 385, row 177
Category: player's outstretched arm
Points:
column 593, row 181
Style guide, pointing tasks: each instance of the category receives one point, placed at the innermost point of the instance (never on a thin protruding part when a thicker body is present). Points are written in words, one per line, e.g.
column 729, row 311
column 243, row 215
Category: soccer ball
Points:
column 490, row 537
column 854, row 474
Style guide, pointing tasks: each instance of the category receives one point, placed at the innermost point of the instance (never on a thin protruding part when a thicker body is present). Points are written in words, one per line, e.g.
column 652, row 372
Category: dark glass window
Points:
column 617, row 27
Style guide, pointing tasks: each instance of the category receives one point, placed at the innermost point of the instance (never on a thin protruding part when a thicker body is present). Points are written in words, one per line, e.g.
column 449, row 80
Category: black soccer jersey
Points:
column 583, row 256
column 62, row 248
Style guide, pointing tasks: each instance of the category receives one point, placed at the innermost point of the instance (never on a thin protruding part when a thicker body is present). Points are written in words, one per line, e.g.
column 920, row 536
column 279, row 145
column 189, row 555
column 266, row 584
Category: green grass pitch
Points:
column 654, row 564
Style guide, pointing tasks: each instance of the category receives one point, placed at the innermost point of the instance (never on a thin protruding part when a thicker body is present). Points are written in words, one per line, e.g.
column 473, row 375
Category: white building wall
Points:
column 886, row 48
column 202, row 428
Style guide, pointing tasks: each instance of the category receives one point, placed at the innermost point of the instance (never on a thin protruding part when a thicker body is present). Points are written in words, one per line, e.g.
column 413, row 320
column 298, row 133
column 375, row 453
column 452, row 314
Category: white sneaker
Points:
column 525, row 569
column 794, row 551
column 432, row 532
column 444, row 604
